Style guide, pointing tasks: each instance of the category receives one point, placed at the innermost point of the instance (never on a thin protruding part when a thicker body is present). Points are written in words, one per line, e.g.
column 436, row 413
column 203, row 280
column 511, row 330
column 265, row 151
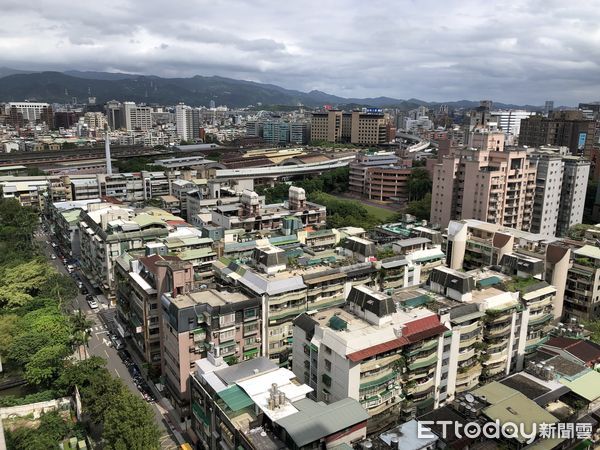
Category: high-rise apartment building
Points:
column 21, row 113
column 368, row 127
column 561, row 185
column 562, row 128
column 187, row 122
column 114, row 115
column 492, row 186
column 548, row 188
column 136, row 117
column 572, row 199
column 509, row 121
column 95, row 120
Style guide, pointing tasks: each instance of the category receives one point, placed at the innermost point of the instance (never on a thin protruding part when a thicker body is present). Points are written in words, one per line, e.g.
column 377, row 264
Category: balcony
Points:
column 421, row 387
column 494, row 358
column 377, row 380
column 468, row 373
column 539, row 319
column 423, row 362
column 463, row 356
column 427, row 345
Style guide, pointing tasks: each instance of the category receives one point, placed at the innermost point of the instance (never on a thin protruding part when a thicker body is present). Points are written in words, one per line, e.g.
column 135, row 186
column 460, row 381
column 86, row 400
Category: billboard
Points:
column 581, row 141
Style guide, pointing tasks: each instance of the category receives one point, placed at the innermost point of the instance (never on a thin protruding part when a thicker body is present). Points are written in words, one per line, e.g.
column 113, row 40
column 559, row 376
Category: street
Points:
column 100, row 345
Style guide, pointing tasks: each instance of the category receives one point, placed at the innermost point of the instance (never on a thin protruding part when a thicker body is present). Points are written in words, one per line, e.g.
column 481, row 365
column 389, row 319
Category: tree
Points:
column 129, row 425
column 419, row 184
column 421, row 209
column 17, row 224
column 19, row 284
column 8, row 330
column 39, row 329
column 60, row 287
column 81, row 331
column 52, row 429
column 594, row 328
column 45, row 365
column 99, row 391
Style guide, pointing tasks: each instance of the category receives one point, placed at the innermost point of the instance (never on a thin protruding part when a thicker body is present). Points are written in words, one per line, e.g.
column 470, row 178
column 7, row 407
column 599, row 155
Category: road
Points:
column 99, row 344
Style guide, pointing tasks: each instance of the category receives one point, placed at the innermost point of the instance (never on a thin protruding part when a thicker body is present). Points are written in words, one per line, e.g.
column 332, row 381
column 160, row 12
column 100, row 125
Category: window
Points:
column 328, row 365
column 227, row 319
column 227, row 335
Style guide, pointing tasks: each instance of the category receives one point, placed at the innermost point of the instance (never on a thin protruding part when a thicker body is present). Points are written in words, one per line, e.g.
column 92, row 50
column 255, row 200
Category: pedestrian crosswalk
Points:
column 98, row 328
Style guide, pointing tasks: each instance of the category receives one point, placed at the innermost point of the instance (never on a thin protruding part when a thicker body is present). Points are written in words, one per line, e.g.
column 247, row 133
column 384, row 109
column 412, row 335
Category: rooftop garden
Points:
column 518, row 284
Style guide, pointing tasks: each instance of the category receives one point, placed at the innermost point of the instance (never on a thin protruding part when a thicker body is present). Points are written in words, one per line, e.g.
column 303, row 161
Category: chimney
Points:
column 107, row 151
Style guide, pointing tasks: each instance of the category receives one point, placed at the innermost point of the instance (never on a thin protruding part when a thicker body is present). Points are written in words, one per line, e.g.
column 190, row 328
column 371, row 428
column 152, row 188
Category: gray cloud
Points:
column 522, row 51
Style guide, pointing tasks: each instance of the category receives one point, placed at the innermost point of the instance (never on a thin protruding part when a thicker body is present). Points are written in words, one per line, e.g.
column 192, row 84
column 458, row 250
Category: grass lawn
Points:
column 382, row 214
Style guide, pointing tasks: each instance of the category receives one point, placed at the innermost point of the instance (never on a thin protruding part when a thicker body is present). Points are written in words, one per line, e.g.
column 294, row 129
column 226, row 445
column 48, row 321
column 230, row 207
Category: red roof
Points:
column 413, row 331
column 586, row 351
column 377, row 349
column 420, row 325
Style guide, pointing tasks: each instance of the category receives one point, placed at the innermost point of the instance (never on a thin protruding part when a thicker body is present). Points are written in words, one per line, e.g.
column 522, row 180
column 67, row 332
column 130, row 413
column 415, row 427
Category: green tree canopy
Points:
column 577, row 231
column 129, row 425
column 20, row 283
column 421, row 209
column 419, row 184
column 52, row 429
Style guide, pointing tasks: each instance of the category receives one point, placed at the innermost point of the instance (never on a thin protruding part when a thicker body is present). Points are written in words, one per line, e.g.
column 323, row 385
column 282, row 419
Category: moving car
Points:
column 92, row 303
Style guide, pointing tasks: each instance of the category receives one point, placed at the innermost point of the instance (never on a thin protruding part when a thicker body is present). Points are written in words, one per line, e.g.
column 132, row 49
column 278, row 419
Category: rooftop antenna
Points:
column 107, row 151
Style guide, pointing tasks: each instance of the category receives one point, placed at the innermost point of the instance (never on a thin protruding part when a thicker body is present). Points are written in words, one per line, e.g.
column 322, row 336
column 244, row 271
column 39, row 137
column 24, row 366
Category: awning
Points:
column 251, row 352
column 235, row 398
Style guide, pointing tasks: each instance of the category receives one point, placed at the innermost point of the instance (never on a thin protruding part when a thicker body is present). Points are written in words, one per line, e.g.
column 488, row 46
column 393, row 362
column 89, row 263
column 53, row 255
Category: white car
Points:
column 79, row 284
column 93, row 304
column 53, row 256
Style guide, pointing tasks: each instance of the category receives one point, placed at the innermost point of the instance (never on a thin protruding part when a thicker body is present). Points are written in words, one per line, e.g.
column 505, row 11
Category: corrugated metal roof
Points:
column 235, row 398
column 315, row 421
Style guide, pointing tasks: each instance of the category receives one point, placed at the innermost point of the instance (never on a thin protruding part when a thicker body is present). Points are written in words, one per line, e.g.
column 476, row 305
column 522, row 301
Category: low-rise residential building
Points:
column 582, row 291
column 63, row 220
column 371, row 351
column 108, row 232
column 250, row 215
column 197, row 323
column 255, row 405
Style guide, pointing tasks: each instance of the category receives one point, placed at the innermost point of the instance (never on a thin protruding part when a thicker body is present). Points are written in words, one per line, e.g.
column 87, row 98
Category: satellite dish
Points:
column 469, row 398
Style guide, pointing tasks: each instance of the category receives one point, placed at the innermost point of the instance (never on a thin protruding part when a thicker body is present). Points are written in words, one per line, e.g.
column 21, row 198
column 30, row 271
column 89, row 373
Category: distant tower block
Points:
column 107, row 152
column 297, row 198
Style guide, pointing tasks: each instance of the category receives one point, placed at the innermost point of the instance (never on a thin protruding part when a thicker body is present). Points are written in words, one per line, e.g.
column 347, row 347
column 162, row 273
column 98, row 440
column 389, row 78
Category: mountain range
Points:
column 63, row 87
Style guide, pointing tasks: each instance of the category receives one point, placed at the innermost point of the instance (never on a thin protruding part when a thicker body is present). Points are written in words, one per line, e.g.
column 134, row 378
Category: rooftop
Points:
column 316, row 420
column 510, row 405
column 211, row 297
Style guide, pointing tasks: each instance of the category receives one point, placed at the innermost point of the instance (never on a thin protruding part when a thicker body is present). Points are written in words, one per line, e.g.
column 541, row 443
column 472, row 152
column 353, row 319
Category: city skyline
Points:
column 466, row 51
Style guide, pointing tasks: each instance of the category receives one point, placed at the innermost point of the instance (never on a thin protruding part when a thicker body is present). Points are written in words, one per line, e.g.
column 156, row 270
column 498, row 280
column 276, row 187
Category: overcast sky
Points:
column 519, row 51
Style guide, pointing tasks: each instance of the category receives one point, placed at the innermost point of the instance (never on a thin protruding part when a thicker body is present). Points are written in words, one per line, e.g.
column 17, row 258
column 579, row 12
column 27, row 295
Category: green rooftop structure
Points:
column 337, row 323
column 235, row 398
column 489, row 281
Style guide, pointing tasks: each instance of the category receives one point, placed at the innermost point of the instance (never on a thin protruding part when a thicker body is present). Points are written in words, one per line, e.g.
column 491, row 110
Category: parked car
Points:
column 117, row 343
column 80, row 284
column 84, row 290
column 52, row 256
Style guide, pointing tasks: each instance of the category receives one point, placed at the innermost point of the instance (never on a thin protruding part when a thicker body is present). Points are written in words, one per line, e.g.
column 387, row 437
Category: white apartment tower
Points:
column 136, row 117
column 187, row 121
